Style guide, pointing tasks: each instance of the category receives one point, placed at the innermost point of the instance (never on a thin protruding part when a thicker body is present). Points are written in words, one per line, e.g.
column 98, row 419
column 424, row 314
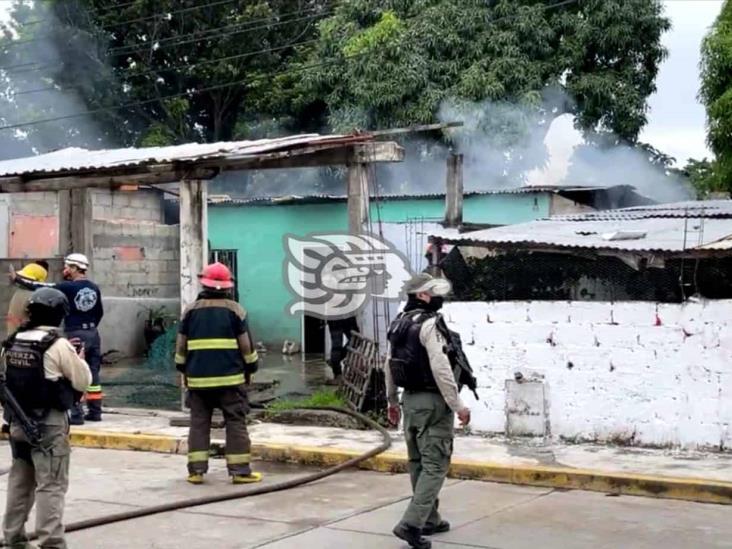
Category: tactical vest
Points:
column 213, row 359
column 25, row 375
column 409, row 363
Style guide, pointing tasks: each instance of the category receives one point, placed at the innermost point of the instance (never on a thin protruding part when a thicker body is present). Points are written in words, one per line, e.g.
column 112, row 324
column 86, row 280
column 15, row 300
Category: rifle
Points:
column 30, row 427
column 459, row 362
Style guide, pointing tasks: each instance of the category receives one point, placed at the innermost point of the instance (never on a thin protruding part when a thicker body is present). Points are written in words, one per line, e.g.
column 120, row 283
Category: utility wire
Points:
column 186, row 66
column 139, row 19
column 177, row 42
column 247, row 81
column 163, row 44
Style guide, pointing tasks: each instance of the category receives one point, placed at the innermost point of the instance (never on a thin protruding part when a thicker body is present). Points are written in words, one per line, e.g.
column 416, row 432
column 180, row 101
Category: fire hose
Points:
column 245, row 493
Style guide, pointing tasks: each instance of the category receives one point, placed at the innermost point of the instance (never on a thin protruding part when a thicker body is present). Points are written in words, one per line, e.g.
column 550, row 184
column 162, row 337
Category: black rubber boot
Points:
column 412, row 535
column 432, row 529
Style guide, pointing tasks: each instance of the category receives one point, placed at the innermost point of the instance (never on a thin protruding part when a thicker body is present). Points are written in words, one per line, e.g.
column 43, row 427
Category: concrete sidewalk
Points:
column 694, row 476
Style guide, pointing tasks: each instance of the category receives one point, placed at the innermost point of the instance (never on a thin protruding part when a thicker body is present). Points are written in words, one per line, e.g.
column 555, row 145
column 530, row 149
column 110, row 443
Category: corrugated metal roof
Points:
column 315, row 198
column 77, row 160
column 705, row 208
column 618, row 230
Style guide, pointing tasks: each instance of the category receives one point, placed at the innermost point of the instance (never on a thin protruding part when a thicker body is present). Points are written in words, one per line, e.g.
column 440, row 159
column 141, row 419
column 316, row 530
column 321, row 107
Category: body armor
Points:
column 409, row 363
column 25, row 376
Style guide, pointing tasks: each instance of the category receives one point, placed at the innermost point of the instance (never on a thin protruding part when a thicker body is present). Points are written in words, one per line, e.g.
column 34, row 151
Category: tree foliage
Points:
column 353, row 64
column 716, row 94
column 402, row 60
column 153, row 52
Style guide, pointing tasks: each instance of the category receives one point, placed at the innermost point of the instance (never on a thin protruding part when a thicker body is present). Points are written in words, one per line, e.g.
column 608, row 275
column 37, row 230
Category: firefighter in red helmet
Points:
column 216, row 355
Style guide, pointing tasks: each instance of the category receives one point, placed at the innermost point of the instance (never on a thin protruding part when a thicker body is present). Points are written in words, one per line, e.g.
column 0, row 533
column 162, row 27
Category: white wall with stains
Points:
column 631, row 372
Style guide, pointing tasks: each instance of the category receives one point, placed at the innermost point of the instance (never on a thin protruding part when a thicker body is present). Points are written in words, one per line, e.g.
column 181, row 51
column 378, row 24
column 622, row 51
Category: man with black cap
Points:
column 46, row 376
column 419, row 364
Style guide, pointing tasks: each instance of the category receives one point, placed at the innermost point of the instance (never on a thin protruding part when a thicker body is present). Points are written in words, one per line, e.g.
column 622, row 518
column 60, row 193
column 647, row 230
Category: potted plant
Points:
column 158, row 320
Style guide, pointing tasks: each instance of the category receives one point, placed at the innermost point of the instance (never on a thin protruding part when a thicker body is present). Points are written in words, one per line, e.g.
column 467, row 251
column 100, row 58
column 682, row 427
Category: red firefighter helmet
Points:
column 217, row 276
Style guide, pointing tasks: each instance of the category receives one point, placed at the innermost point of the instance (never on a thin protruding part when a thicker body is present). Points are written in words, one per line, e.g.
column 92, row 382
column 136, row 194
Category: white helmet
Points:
column 77, row 260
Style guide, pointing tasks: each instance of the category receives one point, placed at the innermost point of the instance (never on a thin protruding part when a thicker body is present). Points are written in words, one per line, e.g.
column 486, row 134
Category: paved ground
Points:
column 357, row 509
column 609, row 459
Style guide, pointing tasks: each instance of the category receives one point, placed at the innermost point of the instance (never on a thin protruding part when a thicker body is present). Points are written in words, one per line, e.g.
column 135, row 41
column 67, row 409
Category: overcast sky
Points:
column 676, row 120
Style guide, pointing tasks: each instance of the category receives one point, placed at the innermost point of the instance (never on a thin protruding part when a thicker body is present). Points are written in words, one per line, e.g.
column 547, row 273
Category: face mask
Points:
column 436, row 303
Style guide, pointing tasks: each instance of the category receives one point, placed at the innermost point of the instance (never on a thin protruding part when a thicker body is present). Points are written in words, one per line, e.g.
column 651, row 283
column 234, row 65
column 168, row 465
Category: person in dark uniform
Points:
column 81, row 324
column 418, row 363
column 340, row 329
column 215, row 353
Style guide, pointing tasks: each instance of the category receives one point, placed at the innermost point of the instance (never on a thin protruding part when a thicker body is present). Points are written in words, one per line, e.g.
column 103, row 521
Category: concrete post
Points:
column 360, row 175
column 193, row 237
column 454, row 191
column 193, row 243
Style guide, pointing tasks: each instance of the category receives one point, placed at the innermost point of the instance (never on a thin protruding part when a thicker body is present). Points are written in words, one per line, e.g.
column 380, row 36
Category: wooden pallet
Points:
column 363, row 386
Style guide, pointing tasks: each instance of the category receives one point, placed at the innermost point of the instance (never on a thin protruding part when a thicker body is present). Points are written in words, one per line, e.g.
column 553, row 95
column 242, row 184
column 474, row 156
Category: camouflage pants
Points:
column 428, row 429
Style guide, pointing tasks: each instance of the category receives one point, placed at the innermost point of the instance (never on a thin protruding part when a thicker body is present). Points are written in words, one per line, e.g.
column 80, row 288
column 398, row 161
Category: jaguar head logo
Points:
column 334, row 275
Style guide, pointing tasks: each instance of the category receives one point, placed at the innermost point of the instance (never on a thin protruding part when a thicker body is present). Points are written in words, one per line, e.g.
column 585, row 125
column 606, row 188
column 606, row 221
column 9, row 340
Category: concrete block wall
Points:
column 629, row 372
column 137, row 259
column 140, row 205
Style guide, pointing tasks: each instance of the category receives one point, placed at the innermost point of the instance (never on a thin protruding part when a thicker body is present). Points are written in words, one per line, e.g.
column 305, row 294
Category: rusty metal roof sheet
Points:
column 665, row 228
column 75, row 159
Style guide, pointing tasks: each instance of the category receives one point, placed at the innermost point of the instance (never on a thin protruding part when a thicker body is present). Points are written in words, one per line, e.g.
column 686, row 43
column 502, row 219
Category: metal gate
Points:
column 228, row 258
column 363, row 386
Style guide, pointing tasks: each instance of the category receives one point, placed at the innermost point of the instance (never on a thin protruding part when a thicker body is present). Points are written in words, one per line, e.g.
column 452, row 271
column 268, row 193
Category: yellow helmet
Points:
column 34, row 272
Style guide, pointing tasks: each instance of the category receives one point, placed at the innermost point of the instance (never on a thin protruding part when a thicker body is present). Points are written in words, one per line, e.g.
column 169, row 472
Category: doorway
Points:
column 313, row 337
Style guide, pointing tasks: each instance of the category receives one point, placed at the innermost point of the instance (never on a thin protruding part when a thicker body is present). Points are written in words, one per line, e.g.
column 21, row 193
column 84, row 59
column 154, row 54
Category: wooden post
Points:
column 193, row 237
column 454, row 191
column 75, row 223
column 360, row 176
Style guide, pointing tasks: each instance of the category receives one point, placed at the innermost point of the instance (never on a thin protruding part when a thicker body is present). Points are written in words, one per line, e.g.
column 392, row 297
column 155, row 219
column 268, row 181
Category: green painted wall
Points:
column 257, row 231
column 496, row 209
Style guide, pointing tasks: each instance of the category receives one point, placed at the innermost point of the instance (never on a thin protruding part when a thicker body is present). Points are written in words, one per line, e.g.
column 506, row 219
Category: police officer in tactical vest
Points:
column 419, row 364
column 46, row 376
column 215, row 353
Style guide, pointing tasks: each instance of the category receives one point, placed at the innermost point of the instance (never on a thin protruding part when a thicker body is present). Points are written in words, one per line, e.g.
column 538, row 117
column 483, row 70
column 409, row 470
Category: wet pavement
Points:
column 357, row 509
column 144, row 384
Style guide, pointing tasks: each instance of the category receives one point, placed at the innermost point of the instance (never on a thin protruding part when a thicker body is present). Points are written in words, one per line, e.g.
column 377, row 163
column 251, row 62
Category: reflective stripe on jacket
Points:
column 214, row 348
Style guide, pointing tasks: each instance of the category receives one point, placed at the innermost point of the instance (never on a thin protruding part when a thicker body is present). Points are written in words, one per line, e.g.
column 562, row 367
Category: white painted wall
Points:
column 411, row 240
column 637, row 372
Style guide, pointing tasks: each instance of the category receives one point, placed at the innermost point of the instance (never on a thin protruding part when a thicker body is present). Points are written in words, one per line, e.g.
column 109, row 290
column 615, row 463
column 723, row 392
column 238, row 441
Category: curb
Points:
column 688, row 489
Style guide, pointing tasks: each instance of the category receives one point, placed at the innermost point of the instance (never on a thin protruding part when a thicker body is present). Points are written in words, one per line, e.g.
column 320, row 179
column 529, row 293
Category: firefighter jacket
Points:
column 214, row 348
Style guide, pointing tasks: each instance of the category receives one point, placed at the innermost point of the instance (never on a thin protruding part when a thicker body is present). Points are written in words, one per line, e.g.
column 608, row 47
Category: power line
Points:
column 136, row 48
column 169, row 14
column 176, row 42
column 180, row 94
column 230, row 84
column 140, row 19
column 187, row 65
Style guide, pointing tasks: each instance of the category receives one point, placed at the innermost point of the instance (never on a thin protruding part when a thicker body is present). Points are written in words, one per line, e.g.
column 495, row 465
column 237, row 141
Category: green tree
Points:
column 177, row 58
column 596, row 59
column 716, row 94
